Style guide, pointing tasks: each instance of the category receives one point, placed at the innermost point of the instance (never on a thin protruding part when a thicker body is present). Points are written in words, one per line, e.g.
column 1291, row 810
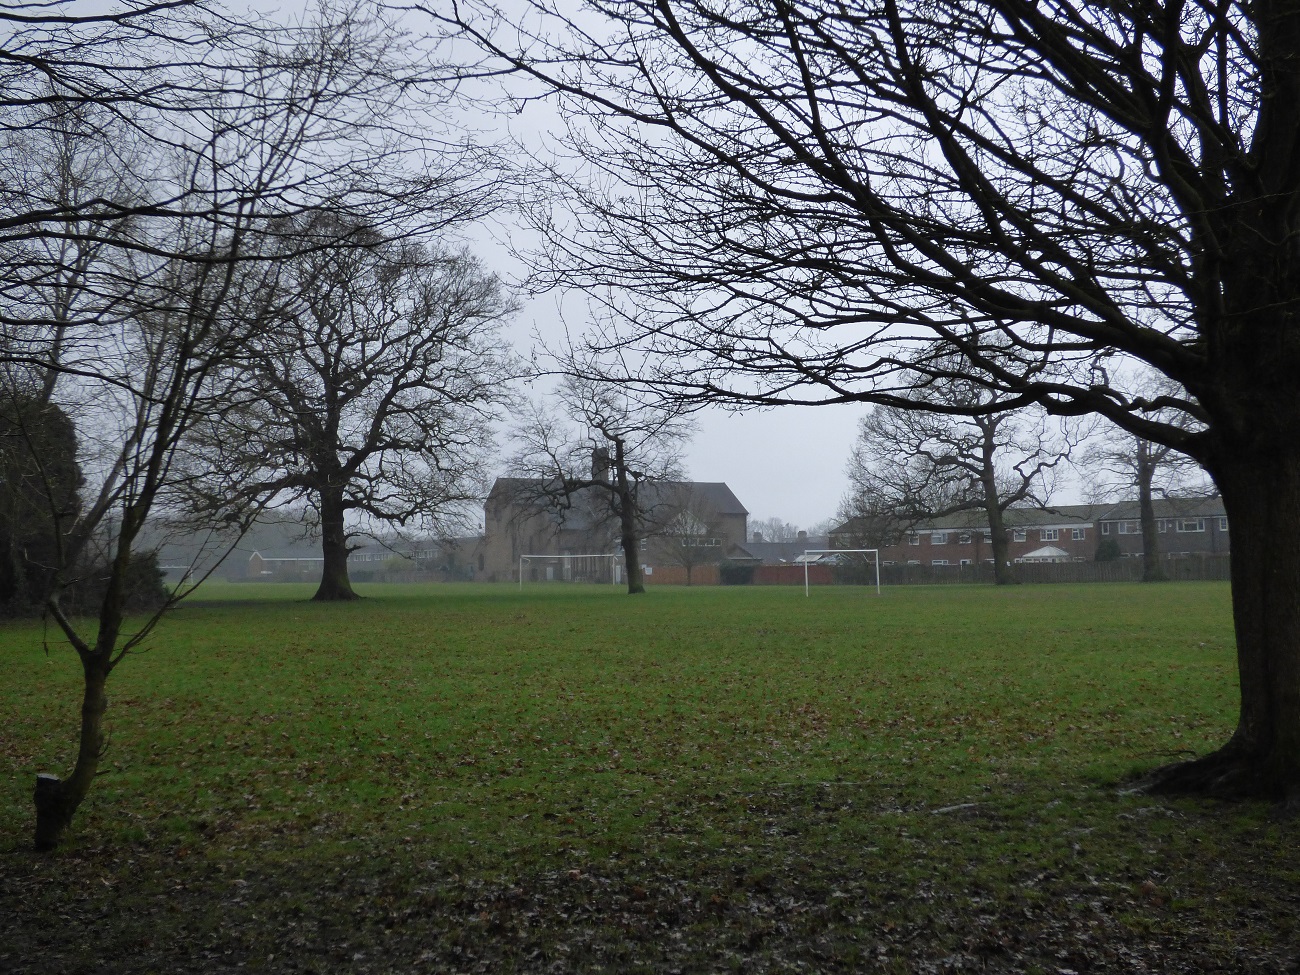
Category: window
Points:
column 965, row 562
column 1223, row 524
column 913, row 539
column 1105, row 527
column 938, row 561
column 1078, row 534
column 988, row 535
column 913, row 561
column 1191, row 524
column 1162, row 525
column 1130, row 528
column 964, row 538
column 1049, row 534
column 938, row 538
column 1020, row 535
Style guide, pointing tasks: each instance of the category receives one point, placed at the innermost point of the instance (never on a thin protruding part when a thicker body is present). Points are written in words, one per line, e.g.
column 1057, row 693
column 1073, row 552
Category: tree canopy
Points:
column 802, row 201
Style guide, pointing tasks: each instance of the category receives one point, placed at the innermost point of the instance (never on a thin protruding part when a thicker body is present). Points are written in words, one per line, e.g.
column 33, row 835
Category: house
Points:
column 778, row 553
column 1184, row 527
column 283, row 565
column 686, row 524
column 1066, row 533
column 417, row 560
column 965, row 539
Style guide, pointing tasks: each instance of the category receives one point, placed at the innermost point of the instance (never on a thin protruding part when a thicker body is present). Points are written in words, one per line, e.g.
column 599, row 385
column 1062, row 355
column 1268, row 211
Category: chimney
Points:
column 803, row 536
column 600, row 464
column 758, row 536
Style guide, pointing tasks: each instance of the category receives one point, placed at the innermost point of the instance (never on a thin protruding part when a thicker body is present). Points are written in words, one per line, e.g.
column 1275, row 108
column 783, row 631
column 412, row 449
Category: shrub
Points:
column 736, row 573
column 1107, row 550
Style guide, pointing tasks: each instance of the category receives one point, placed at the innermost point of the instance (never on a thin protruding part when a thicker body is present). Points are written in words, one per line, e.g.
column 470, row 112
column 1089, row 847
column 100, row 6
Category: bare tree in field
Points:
column 370, row 393
column 602, row 446
column 1122, row 465
column 916, row 465
column 804, row 202
column 127, row 300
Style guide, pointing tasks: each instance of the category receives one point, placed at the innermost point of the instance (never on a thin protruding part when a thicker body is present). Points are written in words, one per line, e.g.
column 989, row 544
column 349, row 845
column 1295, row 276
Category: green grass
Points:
column 707, row 779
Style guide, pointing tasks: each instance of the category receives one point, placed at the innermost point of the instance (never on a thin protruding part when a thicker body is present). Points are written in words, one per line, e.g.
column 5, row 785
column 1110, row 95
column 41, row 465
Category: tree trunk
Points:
column 1262, row 499
column 625, row 497
column 1002, row 573
column 57, row 799
column 988, row 474
column 631, row 546
column 1152, row 569
column 335, row 586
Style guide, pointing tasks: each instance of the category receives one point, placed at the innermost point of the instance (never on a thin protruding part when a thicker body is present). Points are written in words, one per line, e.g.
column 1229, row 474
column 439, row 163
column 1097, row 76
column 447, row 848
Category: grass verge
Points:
column 567, row 779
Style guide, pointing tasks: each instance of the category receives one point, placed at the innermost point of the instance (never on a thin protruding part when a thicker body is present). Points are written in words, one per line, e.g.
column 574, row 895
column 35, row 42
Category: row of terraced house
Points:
column 1185, row 527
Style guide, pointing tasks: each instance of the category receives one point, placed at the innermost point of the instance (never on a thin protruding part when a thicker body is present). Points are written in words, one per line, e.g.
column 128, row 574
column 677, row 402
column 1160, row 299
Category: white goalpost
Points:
column 840, row 551
column 577, row 568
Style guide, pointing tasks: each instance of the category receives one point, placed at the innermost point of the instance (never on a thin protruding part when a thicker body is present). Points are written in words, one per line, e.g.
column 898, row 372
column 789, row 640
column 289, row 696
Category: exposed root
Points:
column 1225, row 774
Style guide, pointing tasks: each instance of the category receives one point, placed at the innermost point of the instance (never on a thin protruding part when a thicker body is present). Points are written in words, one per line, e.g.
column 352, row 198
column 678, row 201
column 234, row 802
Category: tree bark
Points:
column 1262, row 499
column 627, row 500
column 335, row 586
column 1152, row 569
column 1002, row 574
column 57, row 800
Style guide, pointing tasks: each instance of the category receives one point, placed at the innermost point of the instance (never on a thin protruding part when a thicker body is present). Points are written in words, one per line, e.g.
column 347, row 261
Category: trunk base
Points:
column 53, row 812
column 332, row 595
column 1229, row 773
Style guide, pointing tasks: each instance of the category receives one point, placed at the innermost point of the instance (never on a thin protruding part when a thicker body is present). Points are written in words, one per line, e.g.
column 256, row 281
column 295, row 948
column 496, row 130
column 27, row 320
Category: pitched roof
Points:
column 1065, row 515
column 1205, row 507
column 1045, row 554
column 716, row 496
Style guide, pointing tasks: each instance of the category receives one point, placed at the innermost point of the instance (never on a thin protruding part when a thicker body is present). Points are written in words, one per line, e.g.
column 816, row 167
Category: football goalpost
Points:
column 840, row 551
column 601, row 568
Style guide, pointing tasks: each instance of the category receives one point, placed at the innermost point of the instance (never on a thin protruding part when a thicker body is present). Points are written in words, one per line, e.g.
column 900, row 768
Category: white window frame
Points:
column 1078, row 534
column 1020, row 534
column 938, row 538
column 1049, row 534
column 1198, row 523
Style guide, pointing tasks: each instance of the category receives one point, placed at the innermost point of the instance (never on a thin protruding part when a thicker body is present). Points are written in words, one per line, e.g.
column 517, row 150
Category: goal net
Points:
column 866, row 560
column 605, row 568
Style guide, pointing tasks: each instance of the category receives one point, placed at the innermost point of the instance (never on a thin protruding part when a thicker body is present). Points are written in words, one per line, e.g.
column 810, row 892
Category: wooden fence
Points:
column 1207, row 568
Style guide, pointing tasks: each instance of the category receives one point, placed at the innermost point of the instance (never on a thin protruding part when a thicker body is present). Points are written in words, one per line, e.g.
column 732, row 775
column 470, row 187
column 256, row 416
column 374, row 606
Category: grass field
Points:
column 459, row 778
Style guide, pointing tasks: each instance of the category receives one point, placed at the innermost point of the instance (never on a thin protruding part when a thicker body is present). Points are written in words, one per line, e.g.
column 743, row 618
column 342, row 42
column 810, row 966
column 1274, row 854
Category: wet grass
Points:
column 474, row 778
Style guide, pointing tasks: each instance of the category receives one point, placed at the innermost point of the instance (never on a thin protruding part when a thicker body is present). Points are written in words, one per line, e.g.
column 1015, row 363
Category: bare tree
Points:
column 137, row 295
column 369, row 394
column 809, row 202
column 689, row 539
column 912, row 465
column 774, row 529
column 606, row 449
column 1124, row 465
